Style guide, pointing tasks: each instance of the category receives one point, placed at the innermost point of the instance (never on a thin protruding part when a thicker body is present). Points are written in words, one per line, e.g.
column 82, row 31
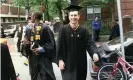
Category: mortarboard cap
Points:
column 73, row 8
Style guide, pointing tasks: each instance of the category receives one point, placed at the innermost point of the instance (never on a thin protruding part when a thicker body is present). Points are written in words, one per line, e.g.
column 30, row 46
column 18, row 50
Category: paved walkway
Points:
column 23, row 70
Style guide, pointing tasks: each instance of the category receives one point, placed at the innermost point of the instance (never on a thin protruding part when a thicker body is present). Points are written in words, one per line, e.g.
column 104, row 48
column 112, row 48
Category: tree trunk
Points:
column 18, row 12
column 47, row 13
column 60, row 12
column 74, row 2
column 112, row 12
column 60, row 16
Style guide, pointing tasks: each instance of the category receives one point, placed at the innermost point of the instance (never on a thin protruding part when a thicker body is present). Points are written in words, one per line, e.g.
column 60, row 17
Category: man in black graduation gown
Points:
column 43, row 48
column 7, row 68
column 73, row 42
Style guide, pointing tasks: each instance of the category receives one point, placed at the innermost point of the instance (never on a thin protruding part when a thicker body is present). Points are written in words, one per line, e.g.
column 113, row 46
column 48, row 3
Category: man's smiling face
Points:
column 74, row 17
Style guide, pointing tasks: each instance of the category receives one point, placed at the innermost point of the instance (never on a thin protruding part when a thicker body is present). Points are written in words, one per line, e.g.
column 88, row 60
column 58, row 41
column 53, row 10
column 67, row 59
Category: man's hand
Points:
column 95, row 57
column 61, row 65
column 36, row 51
column 26, row 41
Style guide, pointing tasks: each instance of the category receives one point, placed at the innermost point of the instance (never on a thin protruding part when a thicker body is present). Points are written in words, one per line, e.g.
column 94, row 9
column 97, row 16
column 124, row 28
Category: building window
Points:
column 9, row 19
column 4, row 20
column 3, row 1
column 1, row 20
column 13, row 19
column 16, row 19
column 93, row 11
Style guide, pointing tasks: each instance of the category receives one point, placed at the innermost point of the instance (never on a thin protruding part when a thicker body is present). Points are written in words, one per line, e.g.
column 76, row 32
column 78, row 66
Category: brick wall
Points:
column 13, row 10
column 83, row 17
column 4, row 9
column 126, row 6
column 105, row 13
column 127, row 9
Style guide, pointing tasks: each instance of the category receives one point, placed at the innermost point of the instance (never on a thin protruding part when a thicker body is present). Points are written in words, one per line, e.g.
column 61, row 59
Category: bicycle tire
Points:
column 105, row 73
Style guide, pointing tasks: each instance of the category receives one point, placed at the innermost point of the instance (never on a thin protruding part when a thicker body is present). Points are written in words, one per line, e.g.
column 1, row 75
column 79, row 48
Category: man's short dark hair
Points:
column 38, row 15
column 96, row 17
column 29, row 18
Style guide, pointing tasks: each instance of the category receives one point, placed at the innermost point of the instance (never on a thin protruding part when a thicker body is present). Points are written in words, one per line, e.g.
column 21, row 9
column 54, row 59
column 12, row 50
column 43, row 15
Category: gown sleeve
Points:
column 90, row 45
column 10, row 65
column 48, row 36
column 48, row 43
column 61, row 45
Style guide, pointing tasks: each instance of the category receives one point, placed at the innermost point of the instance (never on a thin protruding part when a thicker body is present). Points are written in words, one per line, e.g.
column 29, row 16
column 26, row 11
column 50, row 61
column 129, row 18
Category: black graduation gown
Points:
column 72, row 46
column 42, row 66
column 7, row 68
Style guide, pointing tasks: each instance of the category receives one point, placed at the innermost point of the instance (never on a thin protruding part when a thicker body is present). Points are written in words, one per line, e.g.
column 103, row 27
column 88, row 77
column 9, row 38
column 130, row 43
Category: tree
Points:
column 53, row 7
column 57, row 7
column 106, row 1
column 18, row 3
column 87, row 2
column 34, row 4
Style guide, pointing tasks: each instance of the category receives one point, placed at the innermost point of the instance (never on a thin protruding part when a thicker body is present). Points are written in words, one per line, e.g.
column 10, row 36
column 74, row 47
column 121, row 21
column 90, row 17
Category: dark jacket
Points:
column 114, row 32
column 2, row 33
column 7, row 68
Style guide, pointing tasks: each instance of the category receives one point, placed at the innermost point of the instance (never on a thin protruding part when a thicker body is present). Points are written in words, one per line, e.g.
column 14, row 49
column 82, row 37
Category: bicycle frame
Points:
column 123, row 63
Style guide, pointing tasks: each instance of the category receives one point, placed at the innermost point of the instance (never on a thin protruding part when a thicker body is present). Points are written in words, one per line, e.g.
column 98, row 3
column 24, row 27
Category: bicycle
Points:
column 115, row 71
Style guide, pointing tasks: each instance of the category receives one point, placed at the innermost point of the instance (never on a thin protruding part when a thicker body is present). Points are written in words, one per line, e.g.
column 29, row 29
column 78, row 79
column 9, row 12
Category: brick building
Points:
column 126, row 6
column 108, row 13
column 10, row 13
column 127, row 13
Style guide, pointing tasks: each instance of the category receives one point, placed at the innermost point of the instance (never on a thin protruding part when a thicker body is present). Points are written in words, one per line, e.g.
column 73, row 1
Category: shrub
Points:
column 106, row 27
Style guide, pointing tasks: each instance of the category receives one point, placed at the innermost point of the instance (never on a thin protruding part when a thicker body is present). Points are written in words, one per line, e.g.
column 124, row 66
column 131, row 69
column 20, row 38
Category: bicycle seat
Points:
column 110, row 53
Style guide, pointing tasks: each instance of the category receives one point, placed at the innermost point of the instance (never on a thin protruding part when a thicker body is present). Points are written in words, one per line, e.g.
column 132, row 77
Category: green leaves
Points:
column 35, row 8
column 53, row 0
column 105, row 1
column 19, row 3
column 53, row 7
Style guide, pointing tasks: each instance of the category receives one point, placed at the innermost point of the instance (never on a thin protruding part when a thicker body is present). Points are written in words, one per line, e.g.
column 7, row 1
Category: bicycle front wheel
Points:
column 105, row 73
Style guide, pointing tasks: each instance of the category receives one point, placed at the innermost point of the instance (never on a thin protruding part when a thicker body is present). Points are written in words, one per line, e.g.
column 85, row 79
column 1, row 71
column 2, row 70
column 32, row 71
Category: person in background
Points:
column 51, row 25
column 43, row 48
column 115, row 31
column 22, row 45
column 27, row 43
column 7, row 67
column 19, row 35
column 46, row 22
column 73, row 41
column 2, row 32
column 96, row 24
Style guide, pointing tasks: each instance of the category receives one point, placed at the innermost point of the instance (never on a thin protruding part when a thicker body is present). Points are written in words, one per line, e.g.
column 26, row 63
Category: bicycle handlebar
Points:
column 110, row 54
